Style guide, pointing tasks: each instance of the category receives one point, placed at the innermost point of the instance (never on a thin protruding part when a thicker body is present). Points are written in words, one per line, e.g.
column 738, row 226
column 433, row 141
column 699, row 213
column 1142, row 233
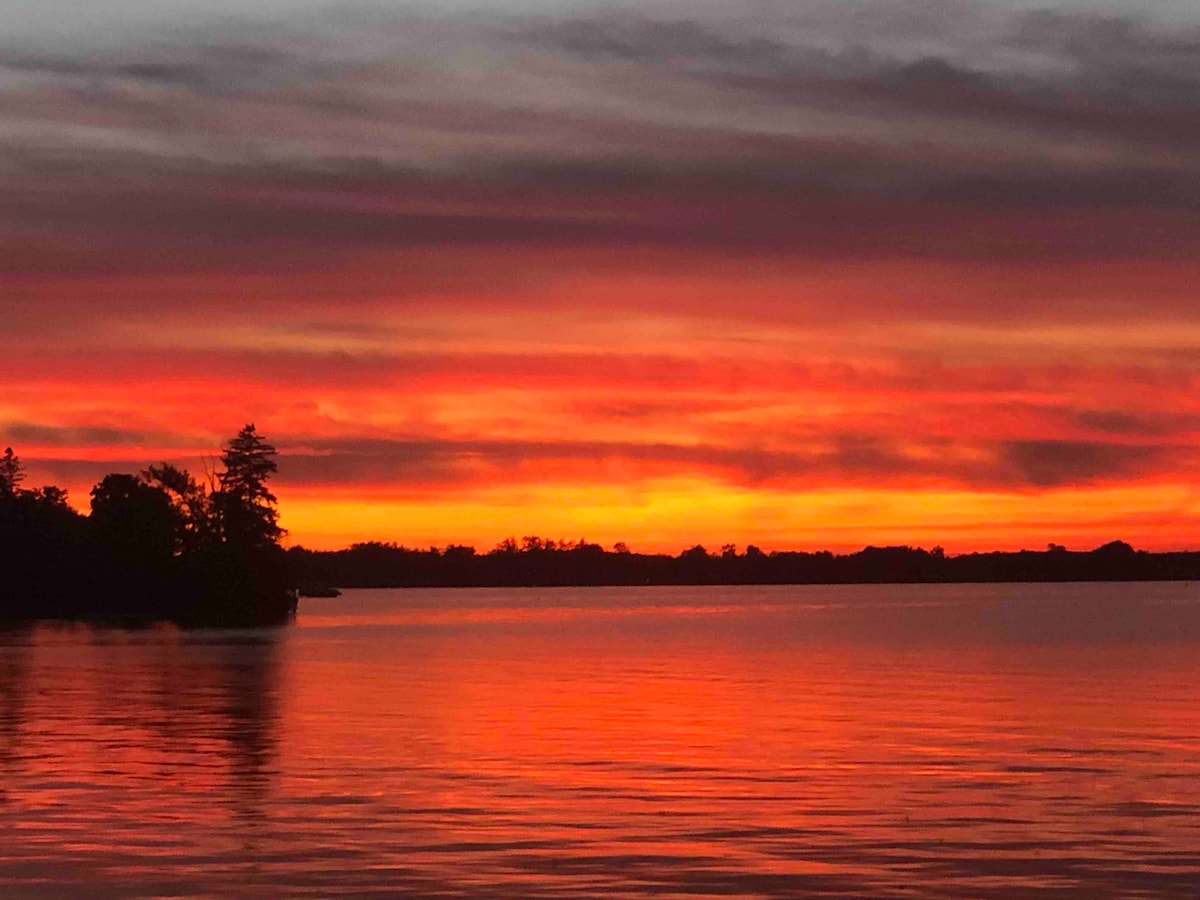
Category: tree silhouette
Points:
column 156, row 546
column 246, row 509
column 193, row 507
column 134, row 519
column 51, row 497
column 11, row 475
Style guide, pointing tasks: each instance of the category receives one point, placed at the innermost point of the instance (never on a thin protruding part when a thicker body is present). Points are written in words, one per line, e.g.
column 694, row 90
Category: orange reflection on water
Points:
column 624, row 742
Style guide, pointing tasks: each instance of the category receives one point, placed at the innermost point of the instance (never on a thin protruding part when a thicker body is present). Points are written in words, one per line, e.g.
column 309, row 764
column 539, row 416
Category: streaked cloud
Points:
column 776, row 250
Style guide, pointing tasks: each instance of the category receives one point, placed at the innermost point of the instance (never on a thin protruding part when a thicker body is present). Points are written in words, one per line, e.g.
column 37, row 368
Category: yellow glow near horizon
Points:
column 672, row 514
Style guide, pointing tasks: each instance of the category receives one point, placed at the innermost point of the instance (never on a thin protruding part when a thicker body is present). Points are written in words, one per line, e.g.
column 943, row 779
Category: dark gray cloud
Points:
column 1120, row 58
column 838, row 132
column 216, row 70
column 848, row 458
column 1047, row 464
column 1137, row 424
column 422, row 463
column 650, row 410
column 1064, row 75
column 687, row 45
column 18, row 433
column 943, row 102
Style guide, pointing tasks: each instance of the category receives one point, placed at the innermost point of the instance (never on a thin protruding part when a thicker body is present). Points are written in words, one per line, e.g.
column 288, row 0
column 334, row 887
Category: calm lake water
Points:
column 895, row 741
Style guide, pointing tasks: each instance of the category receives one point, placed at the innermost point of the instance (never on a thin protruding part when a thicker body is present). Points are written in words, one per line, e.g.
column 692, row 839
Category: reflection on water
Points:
column 124, row 749
column 858, row 741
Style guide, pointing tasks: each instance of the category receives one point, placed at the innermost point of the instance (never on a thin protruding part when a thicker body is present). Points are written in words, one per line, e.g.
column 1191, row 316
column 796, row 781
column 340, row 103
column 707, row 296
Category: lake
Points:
column 887, row 741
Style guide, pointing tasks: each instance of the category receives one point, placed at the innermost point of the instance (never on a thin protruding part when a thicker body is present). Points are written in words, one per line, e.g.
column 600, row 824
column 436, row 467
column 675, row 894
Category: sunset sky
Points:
column 799, row 274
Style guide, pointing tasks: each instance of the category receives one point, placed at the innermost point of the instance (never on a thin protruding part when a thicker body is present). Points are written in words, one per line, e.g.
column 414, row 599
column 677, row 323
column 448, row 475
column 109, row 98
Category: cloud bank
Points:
column 783, row 248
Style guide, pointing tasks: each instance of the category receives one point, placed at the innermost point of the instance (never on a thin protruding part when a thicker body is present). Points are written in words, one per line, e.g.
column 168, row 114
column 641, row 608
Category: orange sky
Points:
column 657, row 285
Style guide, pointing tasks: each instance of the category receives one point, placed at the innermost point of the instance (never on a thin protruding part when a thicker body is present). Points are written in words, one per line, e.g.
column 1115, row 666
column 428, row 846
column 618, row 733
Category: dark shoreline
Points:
column 586, row 565
column 221, row 587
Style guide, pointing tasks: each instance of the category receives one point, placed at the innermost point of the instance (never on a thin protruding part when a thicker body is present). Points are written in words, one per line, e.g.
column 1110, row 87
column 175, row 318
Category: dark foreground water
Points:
column 913, row 741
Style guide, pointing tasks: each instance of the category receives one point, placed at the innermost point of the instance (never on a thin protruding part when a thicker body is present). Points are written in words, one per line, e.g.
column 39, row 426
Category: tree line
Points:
column 161, row 544
column 534, row 561
column 156, row 545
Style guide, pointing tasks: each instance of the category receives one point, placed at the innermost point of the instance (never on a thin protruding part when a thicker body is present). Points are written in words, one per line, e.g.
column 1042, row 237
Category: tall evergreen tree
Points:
column 246, row 509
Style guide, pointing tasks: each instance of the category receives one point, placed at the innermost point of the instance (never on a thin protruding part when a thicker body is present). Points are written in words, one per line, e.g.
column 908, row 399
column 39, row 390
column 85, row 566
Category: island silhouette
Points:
column 157, row 545
column 161, row 545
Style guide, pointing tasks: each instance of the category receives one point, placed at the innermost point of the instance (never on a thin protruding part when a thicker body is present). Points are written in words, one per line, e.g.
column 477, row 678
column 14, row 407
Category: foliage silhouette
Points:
column 155, row 546
column 195, row 525
column 161, row 545
column 537, row 562
column 11, row 474
column 246, row 510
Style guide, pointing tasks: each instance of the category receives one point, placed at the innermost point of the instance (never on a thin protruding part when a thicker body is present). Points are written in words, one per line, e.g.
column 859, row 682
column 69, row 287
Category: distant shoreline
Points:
column 753, row 585
column 542, row 564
